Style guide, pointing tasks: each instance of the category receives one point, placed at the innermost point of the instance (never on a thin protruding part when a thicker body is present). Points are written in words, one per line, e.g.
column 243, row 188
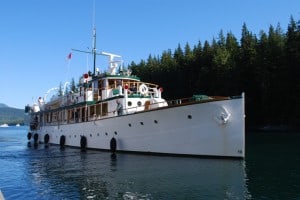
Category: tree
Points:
column 293, row 69
column 267, row 69
column 73, row 87
column 60, row 89
column 179, row 56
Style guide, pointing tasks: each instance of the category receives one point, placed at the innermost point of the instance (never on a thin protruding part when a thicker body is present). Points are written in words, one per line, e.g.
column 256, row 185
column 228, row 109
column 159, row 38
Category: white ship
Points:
column 116, row 111
column 4, row 126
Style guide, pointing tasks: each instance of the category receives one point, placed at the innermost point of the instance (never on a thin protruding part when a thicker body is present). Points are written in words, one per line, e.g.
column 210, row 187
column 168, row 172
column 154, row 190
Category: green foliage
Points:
column 266, row 68
column 11, row 116
column 73, row 87
column 60, row 89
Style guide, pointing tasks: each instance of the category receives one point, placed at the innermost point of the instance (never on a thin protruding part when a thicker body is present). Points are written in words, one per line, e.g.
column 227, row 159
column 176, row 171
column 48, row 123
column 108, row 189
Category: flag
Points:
column 69, row 56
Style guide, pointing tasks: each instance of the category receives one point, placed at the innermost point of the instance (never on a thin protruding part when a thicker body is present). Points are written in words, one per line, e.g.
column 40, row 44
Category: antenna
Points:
column 94, row 50
column 94, row 13
column 113, row 63
column 94, row 35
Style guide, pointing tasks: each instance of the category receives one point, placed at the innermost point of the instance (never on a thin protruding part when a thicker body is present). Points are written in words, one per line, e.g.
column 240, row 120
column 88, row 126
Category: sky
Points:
column 36, row 36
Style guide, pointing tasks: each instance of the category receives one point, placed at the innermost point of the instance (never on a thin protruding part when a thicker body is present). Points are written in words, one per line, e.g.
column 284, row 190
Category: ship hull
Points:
column 214, row 128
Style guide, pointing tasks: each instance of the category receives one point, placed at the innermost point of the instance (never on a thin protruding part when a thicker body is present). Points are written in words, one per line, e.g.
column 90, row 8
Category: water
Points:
column 270, row 171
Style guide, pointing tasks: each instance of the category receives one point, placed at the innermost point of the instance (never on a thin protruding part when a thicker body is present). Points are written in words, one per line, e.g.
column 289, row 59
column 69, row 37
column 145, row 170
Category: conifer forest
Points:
column 265, row 66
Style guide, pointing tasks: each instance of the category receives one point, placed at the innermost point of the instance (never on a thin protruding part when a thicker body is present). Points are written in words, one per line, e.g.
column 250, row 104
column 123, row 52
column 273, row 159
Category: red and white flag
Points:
column 69, row 56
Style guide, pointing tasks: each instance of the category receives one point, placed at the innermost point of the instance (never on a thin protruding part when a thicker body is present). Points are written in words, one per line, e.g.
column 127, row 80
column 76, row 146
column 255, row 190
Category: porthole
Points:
column 155, row 121
column 98, row 134
column 129, row 125
column 139, row 103
column 142, row 123
column 106, row 133
column 116, row 133
column 189, row 116
column 129, row 103
column 91, row 135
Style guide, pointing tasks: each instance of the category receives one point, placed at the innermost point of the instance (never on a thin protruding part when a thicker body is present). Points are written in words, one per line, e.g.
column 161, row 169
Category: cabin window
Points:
column 83, row 114
column 98, row 109
column 111, row 83
column 92, row 111
column 95, row 85
column 96, row 94
column 99, row 84
column 70, row 116
column 119, row 83
column 59, row 116
column 104, row 84
column 64, row 116
column 76, row 115
column 42, row 119
column 104, row 109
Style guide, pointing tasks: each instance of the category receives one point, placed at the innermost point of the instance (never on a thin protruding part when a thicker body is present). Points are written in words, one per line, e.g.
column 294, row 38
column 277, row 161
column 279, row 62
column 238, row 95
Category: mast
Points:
column 94, row 36
column 94, row 49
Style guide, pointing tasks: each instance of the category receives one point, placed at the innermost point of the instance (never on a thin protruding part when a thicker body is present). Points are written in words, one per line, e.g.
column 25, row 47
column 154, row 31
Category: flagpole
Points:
column 94, row 35
column 68, row 65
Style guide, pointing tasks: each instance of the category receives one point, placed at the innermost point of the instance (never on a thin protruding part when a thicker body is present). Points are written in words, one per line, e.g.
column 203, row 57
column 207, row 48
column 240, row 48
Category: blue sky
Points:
column 37, row 35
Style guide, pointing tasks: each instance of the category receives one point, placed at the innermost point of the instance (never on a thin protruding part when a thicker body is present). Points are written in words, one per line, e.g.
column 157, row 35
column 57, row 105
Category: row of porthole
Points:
column 142, row 123
column 155, row 121
column 129, row 103
column 91, row 135
column 130, row 125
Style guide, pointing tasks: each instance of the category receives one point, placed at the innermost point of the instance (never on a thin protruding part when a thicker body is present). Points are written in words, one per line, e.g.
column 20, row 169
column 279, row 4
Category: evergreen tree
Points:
column 267, row 69
column 179, row 56
column 73, row 87
column 60, row 90
column 293, row 69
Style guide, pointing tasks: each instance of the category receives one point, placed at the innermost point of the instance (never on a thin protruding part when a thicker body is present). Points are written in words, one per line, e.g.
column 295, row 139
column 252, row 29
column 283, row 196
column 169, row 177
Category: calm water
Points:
column 270, row 171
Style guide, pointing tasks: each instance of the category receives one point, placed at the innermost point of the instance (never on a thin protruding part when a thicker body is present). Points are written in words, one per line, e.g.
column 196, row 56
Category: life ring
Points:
column 62, row 141
column 143, row 89
column 113, row 145
column 29, row 135
column 46, row 138
column 35, row 138
column 83, row 143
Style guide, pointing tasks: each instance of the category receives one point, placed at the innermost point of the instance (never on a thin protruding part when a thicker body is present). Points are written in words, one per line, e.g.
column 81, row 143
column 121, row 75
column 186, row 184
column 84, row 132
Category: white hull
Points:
column 215, row 128
column 4, row 126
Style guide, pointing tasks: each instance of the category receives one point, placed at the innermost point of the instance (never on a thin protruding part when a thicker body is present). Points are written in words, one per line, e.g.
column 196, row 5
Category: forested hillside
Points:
column 10, row 115
column 266, row 67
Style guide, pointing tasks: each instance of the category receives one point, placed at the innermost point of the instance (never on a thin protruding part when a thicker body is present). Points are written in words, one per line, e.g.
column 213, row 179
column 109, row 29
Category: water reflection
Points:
column 72, row 174
column 273, row 163
column 270, row 171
